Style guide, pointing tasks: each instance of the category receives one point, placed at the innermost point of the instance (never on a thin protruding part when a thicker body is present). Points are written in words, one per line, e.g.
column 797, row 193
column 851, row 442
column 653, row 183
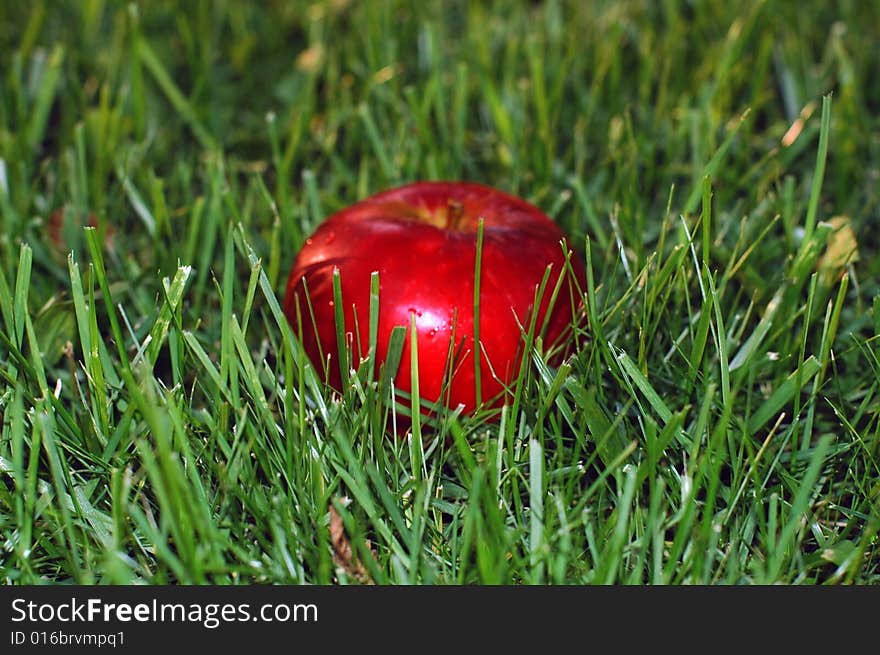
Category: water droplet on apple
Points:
column 309, row 241
column 330, row 238
column 330, row 303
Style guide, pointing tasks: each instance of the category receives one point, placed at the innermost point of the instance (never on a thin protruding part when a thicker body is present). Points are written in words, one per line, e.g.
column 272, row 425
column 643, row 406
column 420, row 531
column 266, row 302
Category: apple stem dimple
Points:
column 454, row 213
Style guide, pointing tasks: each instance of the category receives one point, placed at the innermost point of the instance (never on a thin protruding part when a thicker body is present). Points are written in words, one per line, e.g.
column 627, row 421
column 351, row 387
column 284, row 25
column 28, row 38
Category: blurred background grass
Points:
column 612, row 101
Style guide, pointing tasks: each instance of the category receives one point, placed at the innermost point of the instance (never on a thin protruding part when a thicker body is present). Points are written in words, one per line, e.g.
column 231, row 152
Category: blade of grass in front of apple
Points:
column 478, row 359
column 416, row 447
column 372, row 348
column 342, row 347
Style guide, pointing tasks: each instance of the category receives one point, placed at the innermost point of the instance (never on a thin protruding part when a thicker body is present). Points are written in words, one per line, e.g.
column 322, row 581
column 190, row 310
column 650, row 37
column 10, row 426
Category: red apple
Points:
column 422, row 240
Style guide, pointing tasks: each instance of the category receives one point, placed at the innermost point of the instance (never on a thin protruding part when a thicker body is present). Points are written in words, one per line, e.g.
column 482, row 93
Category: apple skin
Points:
column 422, row 240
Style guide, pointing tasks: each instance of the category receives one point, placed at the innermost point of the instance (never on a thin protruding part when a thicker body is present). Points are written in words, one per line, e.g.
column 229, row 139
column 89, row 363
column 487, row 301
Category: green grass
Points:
column 719, row 423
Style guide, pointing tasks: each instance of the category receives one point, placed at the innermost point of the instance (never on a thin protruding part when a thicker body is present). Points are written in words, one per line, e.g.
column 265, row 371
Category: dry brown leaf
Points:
column 798, row 125
column 841, row 250
column 344, row 556
column 310, row 59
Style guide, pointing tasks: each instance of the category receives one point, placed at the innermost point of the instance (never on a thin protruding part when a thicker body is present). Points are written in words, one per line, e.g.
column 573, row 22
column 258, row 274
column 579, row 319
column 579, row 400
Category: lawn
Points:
column 716, row 166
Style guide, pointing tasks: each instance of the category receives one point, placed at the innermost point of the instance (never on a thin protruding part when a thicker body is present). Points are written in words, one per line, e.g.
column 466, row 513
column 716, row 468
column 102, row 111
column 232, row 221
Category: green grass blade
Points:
column 783, row 394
